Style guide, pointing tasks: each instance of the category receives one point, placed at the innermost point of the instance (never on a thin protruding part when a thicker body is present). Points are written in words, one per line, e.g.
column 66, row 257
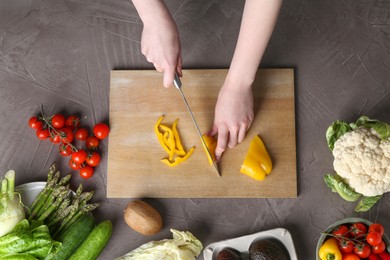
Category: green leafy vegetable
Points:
column 11, row 207
column 335, row 131
column 366, row 203
column 338, row 185
column 33, row 240
column 382, row 128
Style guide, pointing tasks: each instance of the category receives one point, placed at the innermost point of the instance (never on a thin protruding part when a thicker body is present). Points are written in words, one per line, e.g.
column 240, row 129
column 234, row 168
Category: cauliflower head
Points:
column 362, row 159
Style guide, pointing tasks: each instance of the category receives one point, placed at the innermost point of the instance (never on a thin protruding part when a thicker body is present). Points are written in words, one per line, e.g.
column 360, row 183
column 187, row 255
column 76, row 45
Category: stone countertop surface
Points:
column 59, row 54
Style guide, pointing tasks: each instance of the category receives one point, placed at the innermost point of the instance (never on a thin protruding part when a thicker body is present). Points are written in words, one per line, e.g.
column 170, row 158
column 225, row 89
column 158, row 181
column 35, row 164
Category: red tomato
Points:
column 55, row 138
column 373, row 256
column 58, row 121
column 92, row 143
column 379, row 248
column 86, row 172
column 72, row 121
column 346, row 246
column 363, row 251
column 93, row 159
column 34, row 123
column 350, row 256
column 374, row 238
column 101, row 131
column 65, row 150
column 377, row 227
column 79, row 156
column 341, row 230
column 74, row 166
column 66, row 134
column 43, row 134
column 81, row 134
column 358, row 229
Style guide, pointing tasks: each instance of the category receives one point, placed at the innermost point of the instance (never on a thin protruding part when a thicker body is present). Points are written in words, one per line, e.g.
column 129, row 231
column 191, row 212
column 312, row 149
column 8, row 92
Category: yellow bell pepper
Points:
column 257, row 163
column 169, row 140
column 211, row 144
column 330, row 250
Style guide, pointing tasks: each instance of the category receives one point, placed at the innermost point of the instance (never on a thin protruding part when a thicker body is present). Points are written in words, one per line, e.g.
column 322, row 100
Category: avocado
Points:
column 268, row 249
column 228, row 254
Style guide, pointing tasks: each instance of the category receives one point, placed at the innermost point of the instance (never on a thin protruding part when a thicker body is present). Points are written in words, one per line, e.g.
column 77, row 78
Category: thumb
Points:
column 169, row 75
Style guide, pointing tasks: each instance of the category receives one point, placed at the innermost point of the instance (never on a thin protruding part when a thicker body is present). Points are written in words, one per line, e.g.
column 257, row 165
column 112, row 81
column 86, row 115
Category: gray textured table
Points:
column 60, row 53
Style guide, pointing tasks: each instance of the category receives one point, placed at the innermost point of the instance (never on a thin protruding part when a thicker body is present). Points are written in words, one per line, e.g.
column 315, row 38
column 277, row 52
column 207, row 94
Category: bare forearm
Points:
column 151, row 11
column 257, row 24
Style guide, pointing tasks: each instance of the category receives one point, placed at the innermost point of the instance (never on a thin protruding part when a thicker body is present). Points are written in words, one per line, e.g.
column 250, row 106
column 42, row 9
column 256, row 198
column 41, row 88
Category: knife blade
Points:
column 178, row 85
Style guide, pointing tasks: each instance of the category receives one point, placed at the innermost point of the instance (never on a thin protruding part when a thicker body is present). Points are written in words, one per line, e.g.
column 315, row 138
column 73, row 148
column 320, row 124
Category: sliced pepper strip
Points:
column 178, row 159
column 179, row 146
column 160, row 136
column 171, row 141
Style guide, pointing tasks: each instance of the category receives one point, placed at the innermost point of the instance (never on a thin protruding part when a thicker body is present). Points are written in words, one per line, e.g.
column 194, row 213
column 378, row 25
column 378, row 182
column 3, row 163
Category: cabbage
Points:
column 11, row 207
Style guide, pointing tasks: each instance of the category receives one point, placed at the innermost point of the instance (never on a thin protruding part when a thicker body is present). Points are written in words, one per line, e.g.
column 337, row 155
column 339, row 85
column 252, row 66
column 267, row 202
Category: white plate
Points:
column 29, row 191
column 242, row 244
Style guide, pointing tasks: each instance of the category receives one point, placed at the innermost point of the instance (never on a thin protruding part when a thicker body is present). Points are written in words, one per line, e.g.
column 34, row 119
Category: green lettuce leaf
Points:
column 335, row 131
column 382, row 128
column 336, row 183
column 366, row 203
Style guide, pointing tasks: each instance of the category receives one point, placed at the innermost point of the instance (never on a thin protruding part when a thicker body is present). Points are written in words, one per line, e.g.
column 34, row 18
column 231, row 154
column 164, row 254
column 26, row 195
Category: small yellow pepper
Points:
column 257, row 163
column 330, row 250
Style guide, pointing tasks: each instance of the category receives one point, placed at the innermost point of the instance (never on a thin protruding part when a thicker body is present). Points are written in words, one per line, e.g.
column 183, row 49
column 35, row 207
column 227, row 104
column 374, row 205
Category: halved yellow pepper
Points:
column 211, row 144
column 257, row 163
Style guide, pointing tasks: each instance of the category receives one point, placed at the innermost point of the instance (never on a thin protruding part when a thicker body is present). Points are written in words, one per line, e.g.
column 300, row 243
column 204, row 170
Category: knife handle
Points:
column 177, row 81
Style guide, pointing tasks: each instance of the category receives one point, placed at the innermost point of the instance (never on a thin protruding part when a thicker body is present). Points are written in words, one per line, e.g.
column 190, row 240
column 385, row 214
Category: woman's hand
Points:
column 160, row 42
column 233, row 116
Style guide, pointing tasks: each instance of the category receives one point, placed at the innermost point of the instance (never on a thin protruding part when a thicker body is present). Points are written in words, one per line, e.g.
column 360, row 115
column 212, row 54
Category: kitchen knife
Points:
column 177, row 83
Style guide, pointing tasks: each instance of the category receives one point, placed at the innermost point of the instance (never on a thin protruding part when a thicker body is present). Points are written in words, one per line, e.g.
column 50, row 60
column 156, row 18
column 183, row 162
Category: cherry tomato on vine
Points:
column 93, row 159
column 81, row 134
column 73, row 165
column 350, row 256
column 34, row 123
column 43, row 134
column 55, row 138
column 65, row 150
column 363, row 251
column 79, row 156
column 72, row 121
column 381, row 247
column 58, row 121
column 101, row 131
column 92, row 143
column 374, row 238
column 341, row 230
column 66, row 134
column 346, row 246
column 86, row 172
column 358, row 229
column 377, row 227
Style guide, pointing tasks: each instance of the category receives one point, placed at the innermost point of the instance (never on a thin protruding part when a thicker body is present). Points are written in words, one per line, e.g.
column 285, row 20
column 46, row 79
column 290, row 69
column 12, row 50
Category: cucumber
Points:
column 95, row 242
column 73, row 237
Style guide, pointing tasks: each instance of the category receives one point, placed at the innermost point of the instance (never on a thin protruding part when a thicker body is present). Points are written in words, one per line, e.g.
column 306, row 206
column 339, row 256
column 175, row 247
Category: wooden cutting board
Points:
column 137, row 100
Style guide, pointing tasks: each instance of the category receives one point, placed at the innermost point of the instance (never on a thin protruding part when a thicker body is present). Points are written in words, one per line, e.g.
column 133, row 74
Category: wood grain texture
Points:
column 137, row 100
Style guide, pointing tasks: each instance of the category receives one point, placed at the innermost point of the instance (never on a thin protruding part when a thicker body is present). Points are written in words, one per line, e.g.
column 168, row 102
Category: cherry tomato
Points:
column 92, row 143
column 379, row 248
column 79, row 156
column 373, row 256
column 101, row 131
column 73, row 165
column 374, row 238
column 58, row 121
column 363, row 251
column 81, row 134
column 341, row 230
column 346, row 246
column 358, row 229
column 43, row 134
column 93, row 159
column 72, row 121
column 65, row 150
column 66, row 134
column 377, row 227
column 34, row 123
column 86, row 172
column 54, row 138
column 350, row 256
